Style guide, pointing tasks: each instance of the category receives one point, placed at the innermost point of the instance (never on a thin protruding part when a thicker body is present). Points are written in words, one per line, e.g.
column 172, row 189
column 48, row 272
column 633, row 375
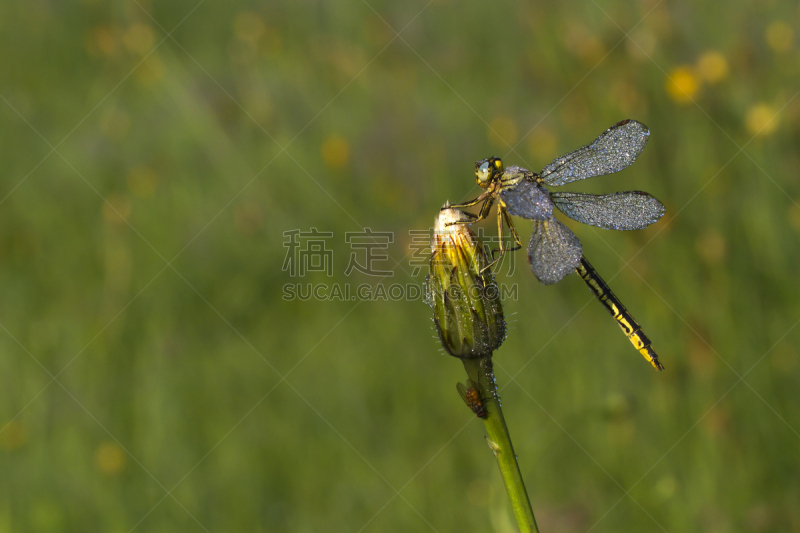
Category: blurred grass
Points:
column 169, row 377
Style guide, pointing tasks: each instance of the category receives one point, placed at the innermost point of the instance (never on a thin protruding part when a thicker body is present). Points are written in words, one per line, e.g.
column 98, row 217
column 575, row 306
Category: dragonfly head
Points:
column 487, row 171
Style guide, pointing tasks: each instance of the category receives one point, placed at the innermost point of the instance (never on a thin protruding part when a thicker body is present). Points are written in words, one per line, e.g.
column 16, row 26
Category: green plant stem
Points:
column 480, row 371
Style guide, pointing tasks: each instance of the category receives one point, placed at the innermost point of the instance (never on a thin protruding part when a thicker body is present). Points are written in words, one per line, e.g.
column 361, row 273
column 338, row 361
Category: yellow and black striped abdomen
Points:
column 625, row 320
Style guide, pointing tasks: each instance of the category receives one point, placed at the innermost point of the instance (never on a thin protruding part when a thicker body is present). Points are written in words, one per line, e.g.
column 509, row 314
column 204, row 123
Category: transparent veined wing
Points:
column 462, row 391
column 620, row 210
column 528, row 200
column 613, row 150
column 554, row 251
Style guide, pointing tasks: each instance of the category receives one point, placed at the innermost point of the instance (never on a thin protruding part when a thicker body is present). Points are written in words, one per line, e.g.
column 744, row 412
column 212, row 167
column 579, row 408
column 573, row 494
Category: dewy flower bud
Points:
column 465, row 300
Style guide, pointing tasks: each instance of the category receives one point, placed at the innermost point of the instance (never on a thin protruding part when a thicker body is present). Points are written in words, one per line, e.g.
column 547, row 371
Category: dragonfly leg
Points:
column 471, row 203
column 513, row 231
column 502, row 216
column 484, row 212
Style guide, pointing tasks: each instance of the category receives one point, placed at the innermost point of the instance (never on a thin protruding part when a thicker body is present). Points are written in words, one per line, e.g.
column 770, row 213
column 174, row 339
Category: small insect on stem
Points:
column 472, row 397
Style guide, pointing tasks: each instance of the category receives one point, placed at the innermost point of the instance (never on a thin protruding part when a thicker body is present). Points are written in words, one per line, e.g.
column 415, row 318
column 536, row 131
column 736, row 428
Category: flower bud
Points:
column 462, row 291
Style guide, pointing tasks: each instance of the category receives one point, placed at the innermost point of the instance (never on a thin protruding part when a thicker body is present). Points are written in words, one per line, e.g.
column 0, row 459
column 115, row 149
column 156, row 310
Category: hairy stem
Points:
column 480, row 371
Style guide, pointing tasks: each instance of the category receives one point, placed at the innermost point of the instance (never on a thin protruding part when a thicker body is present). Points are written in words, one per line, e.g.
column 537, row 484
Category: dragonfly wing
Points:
column 613, row 150
column 620, row 210
column 528, row 200
column 554, row 251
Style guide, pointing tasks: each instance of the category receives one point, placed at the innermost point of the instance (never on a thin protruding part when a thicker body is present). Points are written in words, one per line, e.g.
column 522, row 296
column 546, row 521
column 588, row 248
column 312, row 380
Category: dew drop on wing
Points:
column 615, row 149
column 554, row 251
column 626, row 210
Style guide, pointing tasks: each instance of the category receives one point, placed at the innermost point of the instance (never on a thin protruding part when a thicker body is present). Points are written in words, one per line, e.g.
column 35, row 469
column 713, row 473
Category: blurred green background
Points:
column 154, row 377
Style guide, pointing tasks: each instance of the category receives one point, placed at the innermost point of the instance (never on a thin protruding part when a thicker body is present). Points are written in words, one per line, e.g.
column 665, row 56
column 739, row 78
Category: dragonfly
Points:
column 554, row 251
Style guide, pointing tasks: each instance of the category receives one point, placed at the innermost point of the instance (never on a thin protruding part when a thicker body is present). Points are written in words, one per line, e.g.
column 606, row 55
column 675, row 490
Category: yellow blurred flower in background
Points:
column 779, row 36
column 142, row 181
column 712, row 66
column 249, row 27
column 110, row 458
column 642, row 44
column 583, row 43
column 12, row 436
column 139, row 39
column 150, row 71
column 682, row 84
column 335, row 151
column 761, row 119
column 102, row 41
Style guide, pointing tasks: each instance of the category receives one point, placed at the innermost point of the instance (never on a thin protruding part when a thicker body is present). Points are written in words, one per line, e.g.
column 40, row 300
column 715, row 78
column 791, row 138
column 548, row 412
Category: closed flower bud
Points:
column 462, row 291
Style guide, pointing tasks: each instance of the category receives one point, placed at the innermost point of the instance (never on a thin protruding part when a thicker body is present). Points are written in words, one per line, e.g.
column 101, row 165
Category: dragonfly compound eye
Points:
column 483, row 173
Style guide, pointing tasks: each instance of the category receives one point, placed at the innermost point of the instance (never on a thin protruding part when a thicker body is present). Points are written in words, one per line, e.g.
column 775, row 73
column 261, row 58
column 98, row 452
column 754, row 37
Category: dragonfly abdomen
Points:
column 626, row 322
